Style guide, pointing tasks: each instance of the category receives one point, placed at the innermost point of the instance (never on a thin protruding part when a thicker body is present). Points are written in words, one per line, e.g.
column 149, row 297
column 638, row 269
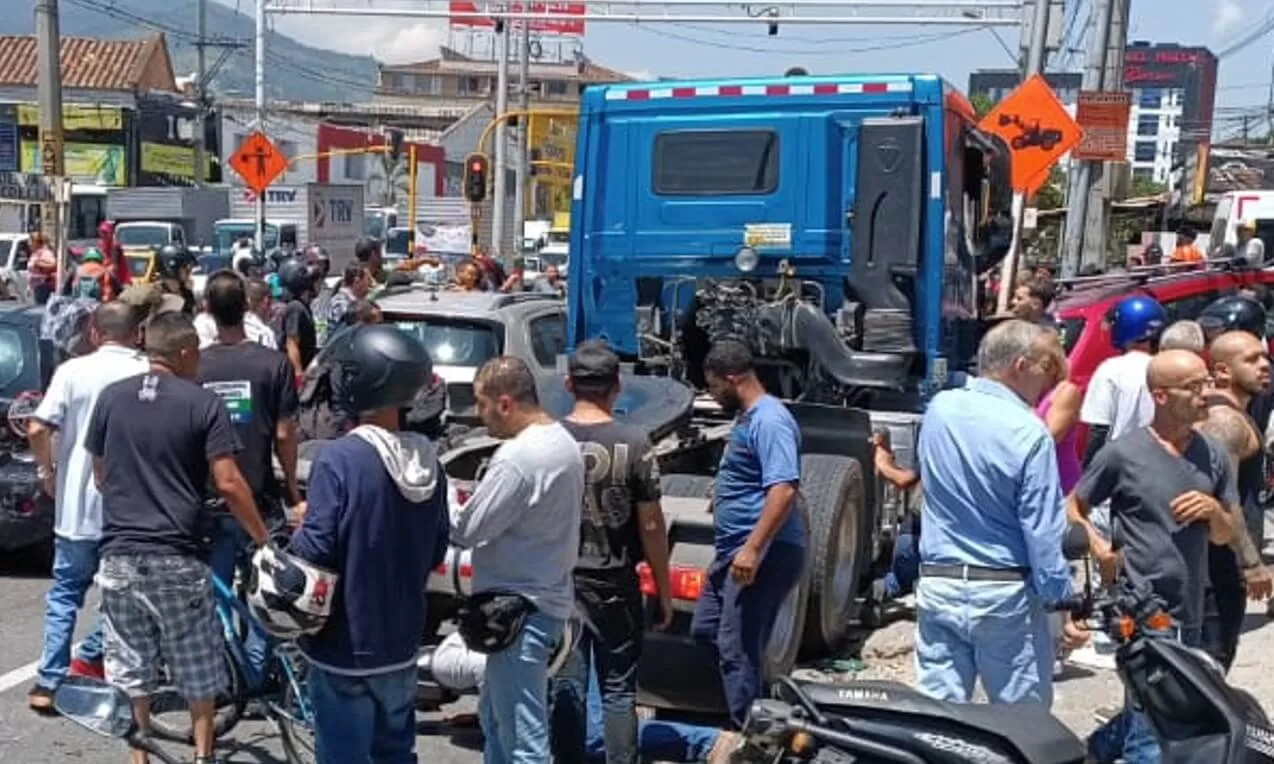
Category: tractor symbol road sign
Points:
column 258, row 161
column 1035, row 127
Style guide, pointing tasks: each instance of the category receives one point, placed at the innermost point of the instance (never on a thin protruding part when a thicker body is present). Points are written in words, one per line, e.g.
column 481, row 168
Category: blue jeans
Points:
column 736, row 620
column 988, row 629
column 1128, row 735
column 904, row 568
column 364, row 720
column 513, row 709
column 656, row 740
column 229, row 552
column 74, row 566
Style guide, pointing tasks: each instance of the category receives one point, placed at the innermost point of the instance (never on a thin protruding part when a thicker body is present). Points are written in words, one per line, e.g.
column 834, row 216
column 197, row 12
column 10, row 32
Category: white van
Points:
column 1236, row 207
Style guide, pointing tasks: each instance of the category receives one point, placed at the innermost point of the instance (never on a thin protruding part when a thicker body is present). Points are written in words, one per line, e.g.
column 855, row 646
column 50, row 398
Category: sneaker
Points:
column 1104, row 714
column 90, row 669
column 40, row 700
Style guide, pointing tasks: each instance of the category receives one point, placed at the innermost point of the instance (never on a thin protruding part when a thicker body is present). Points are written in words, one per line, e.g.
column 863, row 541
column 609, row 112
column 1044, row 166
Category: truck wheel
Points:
column 784, row 646
column 833, row 491
column 686, row 486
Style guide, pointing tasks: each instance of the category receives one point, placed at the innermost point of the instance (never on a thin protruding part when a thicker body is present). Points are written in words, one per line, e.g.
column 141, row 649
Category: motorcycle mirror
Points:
column 96, row 706
column 1075, row 542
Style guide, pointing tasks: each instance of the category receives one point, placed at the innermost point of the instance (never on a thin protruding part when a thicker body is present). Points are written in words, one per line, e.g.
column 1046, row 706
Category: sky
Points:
column 673, row 49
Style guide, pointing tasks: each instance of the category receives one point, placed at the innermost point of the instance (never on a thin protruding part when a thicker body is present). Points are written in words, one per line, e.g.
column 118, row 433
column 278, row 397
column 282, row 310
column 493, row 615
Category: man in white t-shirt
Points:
column 1117, row 399
column 254, row 328
column 1249, row 246
column 67, row 475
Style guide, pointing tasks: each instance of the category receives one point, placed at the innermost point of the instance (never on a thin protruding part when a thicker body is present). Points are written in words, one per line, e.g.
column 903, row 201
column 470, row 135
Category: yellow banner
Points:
column 76, row 117
column 84, row 162
column 161, row 159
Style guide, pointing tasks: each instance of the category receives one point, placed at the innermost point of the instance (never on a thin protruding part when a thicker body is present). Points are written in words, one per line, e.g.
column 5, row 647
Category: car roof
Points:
column 1083, row 295
column 13, row 236
column 12, row 309
column 422, row 301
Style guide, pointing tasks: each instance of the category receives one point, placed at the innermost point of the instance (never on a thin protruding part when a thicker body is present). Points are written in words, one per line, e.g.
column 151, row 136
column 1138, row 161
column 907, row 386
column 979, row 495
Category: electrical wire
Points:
column 1263, row 28
column 807, row 51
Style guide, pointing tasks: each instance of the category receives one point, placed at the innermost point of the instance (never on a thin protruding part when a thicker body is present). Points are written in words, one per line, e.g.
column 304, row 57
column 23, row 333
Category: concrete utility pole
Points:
column 1034, row 64
column 1081, row 174
column 201, row 94
column 523, row 134
column 48, row 42
column 1107, row 183
column 260, row 113
column 501, row 139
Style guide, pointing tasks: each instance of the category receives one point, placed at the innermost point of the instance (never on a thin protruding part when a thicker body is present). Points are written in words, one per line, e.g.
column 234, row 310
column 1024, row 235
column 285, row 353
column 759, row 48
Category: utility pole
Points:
column 501, row 161
column 48, row 42
column 1102, row 191
column 1081, row 174
column 201, row 95
column 1034, row 64
column 524, row 133
column 260, row 113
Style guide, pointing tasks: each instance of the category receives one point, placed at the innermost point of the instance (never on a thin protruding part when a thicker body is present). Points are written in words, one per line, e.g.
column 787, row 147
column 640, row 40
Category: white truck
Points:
column 147, row 218
column 327, row 214
column 1236, row 208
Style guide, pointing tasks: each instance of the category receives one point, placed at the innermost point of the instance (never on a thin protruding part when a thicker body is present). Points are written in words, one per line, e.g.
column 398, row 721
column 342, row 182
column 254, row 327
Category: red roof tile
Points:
column 87, row 62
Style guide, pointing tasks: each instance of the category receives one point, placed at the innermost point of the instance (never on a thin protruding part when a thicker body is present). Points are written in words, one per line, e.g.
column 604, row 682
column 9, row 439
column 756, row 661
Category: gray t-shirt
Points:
column 523, row 520
column 1141, row 479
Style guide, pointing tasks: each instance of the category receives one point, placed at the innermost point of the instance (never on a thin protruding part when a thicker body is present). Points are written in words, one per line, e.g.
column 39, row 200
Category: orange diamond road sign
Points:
column 1036, row 127
column 258, row 161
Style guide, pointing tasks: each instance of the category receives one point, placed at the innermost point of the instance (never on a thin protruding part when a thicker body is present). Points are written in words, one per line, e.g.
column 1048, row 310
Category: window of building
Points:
column 1147, row 125
column 391, row 81
column 1150, row 98
column 556, row 87
column 716, row 162
column 1145, row 151
column 355, row 167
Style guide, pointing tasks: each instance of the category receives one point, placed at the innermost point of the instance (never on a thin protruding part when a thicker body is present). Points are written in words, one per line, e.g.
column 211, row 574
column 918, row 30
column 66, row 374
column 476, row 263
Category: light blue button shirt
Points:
column 992, row 493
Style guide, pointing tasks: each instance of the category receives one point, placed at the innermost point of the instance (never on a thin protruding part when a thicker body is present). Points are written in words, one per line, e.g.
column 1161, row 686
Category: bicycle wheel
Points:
column 295, row 716
column 170, row 716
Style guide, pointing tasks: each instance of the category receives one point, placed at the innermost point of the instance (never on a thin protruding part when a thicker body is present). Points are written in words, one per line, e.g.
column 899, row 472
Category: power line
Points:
column 1265, row 27
column 806, row 51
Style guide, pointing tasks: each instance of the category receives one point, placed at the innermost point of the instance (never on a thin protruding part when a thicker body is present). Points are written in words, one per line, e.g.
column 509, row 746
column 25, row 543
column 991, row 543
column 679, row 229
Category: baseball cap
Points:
column 593, row 360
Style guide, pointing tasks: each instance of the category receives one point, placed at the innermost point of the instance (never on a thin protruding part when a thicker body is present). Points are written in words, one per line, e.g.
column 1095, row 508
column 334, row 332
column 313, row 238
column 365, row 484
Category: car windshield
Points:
column 17, row 362
column 141, row 236
column 453, row 342
column 137, row 266
column 1071, row 329
column 6, row 246
column 225, row 235
column 396, row 243
column 559, row 237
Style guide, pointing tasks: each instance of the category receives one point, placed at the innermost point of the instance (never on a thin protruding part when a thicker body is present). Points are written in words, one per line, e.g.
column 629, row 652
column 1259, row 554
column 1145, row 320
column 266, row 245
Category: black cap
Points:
column 593, row 360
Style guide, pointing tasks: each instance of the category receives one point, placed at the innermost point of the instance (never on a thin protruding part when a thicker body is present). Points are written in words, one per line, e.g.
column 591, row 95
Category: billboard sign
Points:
column 1104, row 118
column 470, row 14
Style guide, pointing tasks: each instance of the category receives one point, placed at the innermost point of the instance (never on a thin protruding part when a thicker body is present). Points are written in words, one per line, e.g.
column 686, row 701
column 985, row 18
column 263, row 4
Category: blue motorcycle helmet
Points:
column 1139, row 318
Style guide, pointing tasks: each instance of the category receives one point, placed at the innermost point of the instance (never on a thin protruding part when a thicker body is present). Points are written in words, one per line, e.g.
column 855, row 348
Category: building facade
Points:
column 1173, row 91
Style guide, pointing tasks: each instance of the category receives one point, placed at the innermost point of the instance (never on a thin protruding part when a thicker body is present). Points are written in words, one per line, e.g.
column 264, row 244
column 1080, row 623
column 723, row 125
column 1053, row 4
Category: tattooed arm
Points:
column 1233, row 431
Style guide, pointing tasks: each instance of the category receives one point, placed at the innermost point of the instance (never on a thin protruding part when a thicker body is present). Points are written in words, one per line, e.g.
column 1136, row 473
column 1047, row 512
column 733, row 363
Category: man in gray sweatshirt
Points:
column 523, row 524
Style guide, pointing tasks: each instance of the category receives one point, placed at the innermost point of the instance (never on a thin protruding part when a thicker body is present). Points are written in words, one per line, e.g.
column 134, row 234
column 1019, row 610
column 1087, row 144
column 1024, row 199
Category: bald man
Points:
column 1241, row 370
column 1168, row 487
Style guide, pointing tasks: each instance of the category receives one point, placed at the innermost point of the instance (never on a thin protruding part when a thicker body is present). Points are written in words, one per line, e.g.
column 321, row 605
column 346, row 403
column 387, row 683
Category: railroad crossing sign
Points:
column 1037, row 129
column 258, row 161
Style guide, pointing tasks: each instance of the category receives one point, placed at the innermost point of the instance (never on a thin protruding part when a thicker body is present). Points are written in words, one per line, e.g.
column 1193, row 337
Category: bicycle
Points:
column 281, row 686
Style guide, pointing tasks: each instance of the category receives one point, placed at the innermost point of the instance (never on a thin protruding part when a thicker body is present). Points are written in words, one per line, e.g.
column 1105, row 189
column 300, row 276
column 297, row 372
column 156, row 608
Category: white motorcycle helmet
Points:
column 289, row 596
column 454, row 666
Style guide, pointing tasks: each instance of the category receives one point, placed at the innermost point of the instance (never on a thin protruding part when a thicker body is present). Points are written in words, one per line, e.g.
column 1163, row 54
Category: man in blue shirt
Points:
column 377, row 516
column 760, row 539
column 991, row 526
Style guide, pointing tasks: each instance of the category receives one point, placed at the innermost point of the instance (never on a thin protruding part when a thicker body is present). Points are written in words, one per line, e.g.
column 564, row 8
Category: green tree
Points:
column 1052, row 195
column 982, row 104
column 390, row 177
column 1145, row 187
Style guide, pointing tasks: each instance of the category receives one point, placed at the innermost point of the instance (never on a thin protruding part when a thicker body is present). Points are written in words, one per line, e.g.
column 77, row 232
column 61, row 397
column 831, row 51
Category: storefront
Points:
column 95, row 147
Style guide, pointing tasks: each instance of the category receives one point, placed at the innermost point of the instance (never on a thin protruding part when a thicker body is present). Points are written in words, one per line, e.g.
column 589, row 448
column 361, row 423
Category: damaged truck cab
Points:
column 838, row 224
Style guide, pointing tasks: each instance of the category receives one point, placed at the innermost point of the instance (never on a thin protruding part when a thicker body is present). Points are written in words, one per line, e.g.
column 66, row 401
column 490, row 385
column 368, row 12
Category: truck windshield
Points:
column 559, row 237
column 453, row 342
column 88, row 211
column 396, row 242
column 226, row 234
column 141, row 235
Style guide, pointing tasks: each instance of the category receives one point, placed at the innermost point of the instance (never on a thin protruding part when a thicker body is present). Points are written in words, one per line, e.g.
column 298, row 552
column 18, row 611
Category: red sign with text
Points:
column 466, row 14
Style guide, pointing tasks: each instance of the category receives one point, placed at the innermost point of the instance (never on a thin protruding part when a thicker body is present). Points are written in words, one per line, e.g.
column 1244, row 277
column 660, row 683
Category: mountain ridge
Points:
column 295, row 71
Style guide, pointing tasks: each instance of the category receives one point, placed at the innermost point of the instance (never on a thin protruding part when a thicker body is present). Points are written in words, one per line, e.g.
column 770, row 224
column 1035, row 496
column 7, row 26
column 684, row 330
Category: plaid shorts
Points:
column 160, row 610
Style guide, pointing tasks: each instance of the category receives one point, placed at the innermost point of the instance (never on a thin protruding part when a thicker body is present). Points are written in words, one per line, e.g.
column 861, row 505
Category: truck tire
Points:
column 686, row 486
column 833, row 490
column 785, row 642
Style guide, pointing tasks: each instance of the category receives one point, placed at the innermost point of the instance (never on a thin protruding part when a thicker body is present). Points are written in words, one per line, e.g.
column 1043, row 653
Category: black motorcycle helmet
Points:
column 296, row 277
column 171, row 259
column 1230, row 314
column 380, row 367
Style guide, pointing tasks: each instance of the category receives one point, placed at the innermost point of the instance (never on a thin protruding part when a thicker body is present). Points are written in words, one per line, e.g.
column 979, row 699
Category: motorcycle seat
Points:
column 1031, row 729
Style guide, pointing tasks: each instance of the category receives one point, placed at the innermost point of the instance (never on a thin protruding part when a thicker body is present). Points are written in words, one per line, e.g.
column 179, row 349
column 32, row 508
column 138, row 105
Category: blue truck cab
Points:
column 838, row 224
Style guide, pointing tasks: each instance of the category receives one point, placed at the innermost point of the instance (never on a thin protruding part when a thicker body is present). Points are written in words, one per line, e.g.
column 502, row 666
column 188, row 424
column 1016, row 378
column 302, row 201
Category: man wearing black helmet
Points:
column 300, row 341
column 175, row 265
column 377, row 517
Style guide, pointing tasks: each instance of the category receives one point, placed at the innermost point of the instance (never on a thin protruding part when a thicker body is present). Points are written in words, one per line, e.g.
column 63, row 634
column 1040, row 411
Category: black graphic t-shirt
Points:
column 255, row 384
column 156, row 434
column 621, row 472
column 298, row 324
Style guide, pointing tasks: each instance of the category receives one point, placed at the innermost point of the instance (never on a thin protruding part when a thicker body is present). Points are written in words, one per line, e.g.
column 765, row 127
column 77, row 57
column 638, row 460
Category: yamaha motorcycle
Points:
column 1196, row 716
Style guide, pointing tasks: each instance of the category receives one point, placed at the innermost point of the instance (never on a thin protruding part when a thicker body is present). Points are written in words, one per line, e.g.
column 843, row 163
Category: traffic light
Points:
column 395, row 143
column 475, row 177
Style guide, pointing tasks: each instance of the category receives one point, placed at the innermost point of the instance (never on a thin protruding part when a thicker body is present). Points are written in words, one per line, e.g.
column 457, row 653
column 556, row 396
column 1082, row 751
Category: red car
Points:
column 1083, row 305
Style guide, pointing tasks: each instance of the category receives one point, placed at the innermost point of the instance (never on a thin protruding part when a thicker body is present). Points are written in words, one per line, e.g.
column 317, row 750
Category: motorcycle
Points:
column 1196, row 716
